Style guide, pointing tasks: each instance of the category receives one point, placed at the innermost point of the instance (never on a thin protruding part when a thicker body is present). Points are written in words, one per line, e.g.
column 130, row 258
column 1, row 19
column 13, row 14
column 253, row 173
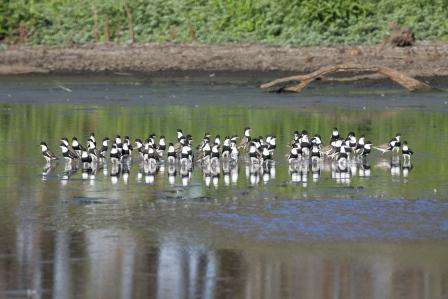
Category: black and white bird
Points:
column 365, row 151
column 316, row 140
column 205, row 140
column 226, row 148
column 77, row 147
column 315, row 153
column 360, row 144
column 254, row 156
column 205, row 154
column 179, row 134
column 352, row 141
column 127, row 140
column 118, row 143
column 342, row 158
column 271, row 144
column 171, row 154
column 335, row 135
column 266, row 155
column 406, row 152
column 46, row 153
column 139, row 147
column 214, row 159
column 64, row 140
column 185, row 156
column 245, row 139
column 104, row 148
column 114, row 154
column 91, row 149
column 92, row 138
column 162, row 146
column 68, row 155
column 125, row 152
column 294, row 154
column 393, row 145
column 86, row 158
column 151, row 157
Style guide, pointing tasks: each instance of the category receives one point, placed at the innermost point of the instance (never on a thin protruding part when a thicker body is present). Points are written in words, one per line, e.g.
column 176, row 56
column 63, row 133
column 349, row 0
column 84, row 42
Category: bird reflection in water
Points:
column 185, row 173
column 227, row 171
column 257, row 172
column 299, row 169
column 230, row 172
column 395, row 167
column 406, row 168
column 364, row 170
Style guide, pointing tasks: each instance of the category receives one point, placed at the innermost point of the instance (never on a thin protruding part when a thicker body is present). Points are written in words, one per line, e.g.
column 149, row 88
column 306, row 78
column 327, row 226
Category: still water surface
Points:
column 382, row 235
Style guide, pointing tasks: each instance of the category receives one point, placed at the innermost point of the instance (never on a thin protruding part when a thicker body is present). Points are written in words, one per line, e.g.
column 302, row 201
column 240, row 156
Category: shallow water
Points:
column 270, row 234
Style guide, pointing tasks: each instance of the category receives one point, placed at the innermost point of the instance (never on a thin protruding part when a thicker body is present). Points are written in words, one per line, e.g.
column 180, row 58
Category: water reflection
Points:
column 227, row 171
column 109, row 263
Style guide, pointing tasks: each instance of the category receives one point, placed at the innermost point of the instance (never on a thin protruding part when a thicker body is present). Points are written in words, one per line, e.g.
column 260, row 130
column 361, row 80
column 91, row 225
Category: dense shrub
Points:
column 295, row 22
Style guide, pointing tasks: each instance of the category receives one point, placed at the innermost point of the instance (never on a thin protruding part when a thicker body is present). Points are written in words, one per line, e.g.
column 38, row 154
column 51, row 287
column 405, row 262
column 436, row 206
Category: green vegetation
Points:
column 295, row 22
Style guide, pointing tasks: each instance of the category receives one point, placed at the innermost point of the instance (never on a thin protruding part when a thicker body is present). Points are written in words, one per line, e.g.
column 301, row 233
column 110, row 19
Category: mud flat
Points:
column 423, row 60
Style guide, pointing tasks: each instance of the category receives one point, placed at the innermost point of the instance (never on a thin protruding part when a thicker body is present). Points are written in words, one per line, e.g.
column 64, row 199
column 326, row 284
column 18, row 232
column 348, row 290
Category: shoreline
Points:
column 421, row 60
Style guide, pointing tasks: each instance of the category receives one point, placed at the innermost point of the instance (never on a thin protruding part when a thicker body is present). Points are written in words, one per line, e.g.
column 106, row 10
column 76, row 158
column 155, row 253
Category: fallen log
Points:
column 299, row 82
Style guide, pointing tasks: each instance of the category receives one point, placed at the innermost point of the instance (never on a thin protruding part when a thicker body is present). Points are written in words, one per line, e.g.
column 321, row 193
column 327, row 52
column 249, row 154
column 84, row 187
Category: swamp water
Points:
column 376, row 234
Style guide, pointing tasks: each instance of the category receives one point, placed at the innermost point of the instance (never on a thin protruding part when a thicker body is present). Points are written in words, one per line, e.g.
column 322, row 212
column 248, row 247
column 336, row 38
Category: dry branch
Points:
column 299, row 82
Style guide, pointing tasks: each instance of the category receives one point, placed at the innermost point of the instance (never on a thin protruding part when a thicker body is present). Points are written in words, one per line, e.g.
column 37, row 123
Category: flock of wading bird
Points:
column 307, row 154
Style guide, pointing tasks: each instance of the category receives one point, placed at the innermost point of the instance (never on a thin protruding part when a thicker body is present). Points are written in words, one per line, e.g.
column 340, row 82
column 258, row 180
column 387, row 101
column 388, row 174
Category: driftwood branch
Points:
column 299, row 82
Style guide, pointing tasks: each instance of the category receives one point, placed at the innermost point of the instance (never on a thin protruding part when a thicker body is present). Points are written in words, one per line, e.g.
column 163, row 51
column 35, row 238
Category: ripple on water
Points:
column 364, row 219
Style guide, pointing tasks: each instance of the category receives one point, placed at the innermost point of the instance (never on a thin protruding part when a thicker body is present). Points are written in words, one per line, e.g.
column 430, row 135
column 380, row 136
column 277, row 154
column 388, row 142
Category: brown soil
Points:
column 423, row 59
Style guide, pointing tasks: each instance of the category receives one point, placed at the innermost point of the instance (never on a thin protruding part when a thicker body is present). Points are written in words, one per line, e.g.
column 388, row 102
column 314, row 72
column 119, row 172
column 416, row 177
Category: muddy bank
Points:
column 424, row 59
